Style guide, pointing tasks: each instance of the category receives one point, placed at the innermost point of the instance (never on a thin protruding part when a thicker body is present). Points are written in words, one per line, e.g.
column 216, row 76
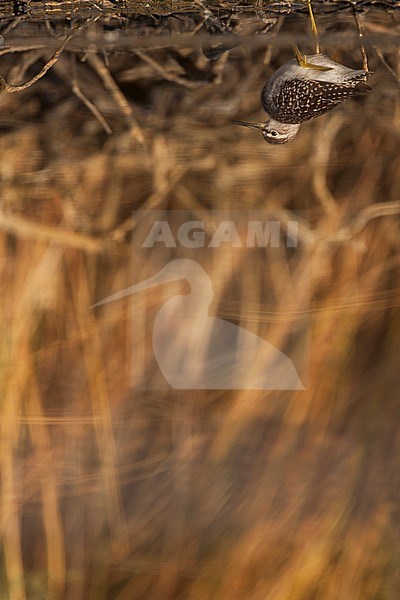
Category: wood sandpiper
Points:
column 305, row 88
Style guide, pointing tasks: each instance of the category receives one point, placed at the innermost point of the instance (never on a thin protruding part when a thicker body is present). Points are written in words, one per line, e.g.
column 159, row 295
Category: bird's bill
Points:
column 157, row 279
column 257, row 126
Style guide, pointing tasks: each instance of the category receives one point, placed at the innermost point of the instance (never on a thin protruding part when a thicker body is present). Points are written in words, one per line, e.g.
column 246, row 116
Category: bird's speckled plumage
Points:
column 295, row 94
column 302, row 89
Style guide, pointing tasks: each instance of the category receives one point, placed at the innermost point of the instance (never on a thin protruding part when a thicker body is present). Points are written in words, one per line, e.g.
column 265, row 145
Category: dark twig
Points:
column 117, row 95
column 164, row 73
column 23, row 86
column 88, row 103
column 386, row 64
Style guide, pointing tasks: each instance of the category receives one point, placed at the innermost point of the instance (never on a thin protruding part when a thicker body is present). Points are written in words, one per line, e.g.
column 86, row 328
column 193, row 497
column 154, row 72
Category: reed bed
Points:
column 113, row 492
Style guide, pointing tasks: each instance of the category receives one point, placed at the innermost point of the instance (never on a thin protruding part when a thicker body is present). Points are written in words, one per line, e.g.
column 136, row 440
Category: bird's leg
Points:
column 360, row 35
column 302, row 61
column 313, row 27
column 299, row 57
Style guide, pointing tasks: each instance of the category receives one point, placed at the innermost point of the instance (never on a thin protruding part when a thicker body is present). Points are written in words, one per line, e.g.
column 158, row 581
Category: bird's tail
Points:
column 360, row 80
column 362, row 87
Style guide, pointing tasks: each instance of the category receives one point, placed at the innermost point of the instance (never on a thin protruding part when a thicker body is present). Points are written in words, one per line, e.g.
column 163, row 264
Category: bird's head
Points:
column 273, row 131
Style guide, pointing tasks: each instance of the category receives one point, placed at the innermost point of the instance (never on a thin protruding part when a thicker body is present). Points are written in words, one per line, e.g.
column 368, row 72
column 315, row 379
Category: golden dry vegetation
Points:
column 111, row 492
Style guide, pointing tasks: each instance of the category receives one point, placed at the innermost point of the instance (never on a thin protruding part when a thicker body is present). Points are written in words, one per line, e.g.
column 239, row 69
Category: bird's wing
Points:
column 300, row 100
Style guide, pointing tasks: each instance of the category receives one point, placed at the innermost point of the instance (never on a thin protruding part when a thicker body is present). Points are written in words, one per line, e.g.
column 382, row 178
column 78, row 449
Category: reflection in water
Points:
column 109, row 493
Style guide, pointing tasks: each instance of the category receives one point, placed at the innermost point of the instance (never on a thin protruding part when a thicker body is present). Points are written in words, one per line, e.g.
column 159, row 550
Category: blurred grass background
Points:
column 111, row 493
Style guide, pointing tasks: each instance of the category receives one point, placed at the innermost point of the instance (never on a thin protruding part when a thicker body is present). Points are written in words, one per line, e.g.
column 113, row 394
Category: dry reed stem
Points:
column 17, row 71
column 25, row 228
column 10, row 463
column 56, row 567
column 92, row 356
column 12, row 49
column 41, row 442
column 11, row 529
column 374, row 211
column 164, row 73
column 90, row 105
column 19, row 88
column 119, row 98
column 11, row 25
column 323, row 147
column 166, row 173
column 383, row 60
column 23, row 384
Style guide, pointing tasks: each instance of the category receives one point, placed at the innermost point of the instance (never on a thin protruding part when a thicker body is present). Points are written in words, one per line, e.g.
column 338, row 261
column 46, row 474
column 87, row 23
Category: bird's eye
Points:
column 274, row 133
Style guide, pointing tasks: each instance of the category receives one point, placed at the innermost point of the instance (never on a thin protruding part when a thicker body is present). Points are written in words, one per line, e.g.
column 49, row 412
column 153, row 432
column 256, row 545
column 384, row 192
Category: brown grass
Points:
column 108, row 492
